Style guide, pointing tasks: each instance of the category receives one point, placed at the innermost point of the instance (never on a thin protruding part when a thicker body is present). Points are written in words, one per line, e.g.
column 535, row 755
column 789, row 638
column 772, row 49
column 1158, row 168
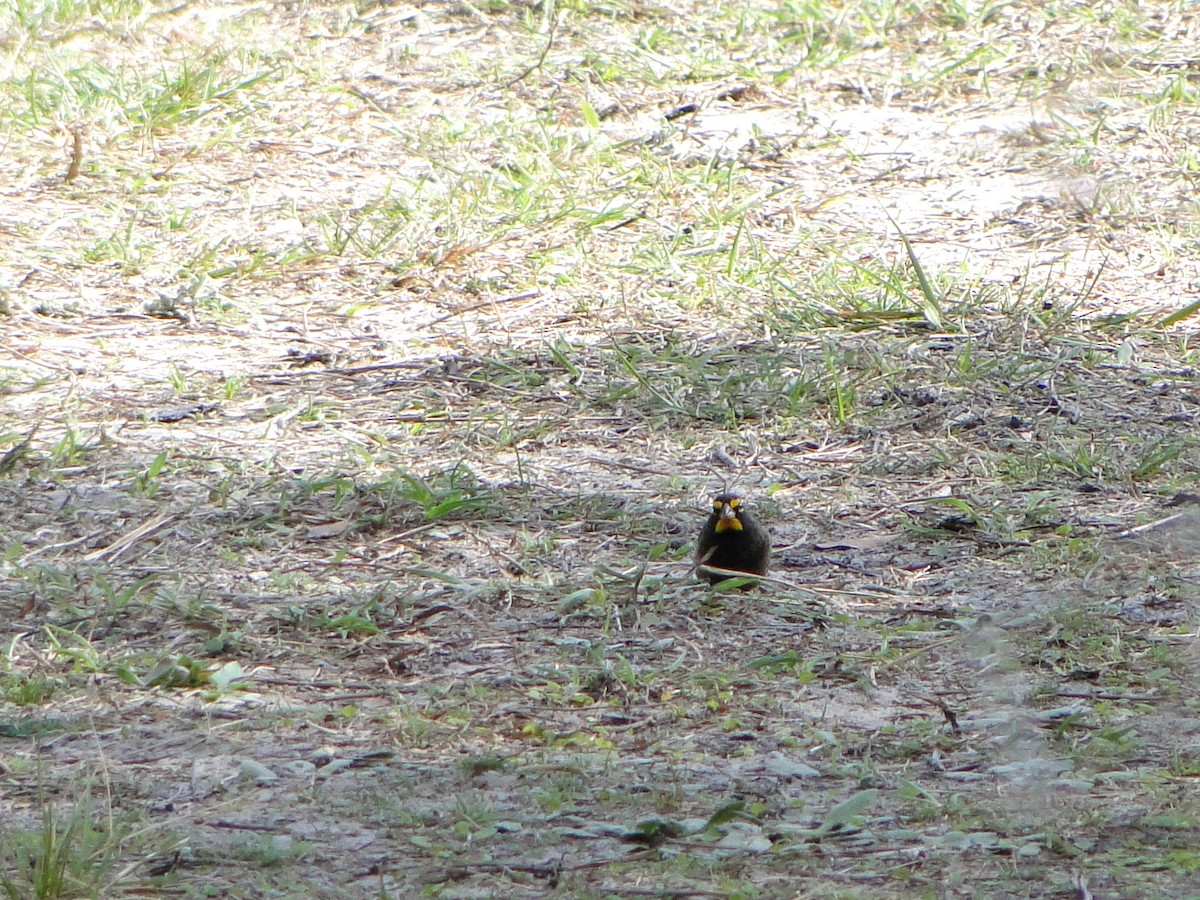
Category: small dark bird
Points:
column 731, row 539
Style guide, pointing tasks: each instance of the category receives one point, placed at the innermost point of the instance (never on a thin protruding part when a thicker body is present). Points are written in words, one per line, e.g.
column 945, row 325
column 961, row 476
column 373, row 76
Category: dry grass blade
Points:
column 931, row 301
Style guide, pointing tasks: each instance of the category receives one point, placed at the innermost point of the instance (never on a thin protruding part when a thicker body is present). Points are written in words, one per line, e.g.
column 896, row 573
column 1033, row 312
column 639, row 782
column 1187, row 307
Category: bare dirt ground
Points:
column 365, row 370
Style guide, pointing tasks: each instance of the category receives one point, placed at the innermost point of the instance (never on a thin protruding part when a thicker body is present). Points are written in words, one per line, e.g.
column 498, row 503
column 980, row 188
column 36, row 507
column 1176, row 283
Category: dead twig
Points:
column 128, row 539
column 548, row 869
column 537, row 64
column 77, row 131
column 1150, row 526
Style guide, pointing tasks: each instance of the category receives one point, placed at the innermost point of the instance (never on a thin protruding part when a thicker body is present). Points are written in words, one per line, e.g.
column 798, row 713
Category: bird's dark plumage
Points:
column 731, row 539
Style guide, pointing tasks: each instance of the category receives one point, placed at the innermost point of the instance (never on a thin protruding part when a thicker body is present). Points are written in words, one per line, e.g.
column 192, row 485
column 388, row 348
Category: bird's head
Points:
column 725, row 508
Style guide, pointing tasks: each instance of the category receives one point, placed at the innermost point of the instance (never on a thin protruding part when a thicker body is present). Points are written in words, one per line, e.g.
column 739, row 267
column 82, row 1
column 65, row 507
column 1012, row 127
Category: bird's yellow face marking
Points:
column 727, row 510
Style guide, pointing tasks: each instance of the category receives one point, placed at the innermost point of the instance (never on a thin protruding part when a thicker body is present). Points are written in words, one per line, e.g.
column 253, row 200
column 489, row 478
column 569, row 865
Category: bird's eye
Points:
column 717, row 504
column 735, row 503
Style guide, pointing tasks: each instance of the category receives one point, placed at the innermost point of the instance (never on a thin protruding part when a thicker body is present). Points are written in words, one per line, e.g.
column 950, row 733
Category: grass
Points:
column 381, row 360
column 74, row 851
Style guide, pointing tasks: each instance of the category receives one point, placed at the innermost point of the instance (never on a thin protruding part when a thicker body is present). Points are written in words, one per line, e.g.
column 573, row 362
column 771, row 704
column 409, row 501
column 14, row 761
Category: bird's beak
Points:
column 728, row 520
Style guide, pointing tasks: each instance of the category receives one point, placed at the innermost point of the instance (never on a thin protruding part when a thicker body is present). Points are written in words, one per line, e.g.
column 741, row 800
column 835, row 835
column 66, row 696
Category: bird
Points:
column 731, row 539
